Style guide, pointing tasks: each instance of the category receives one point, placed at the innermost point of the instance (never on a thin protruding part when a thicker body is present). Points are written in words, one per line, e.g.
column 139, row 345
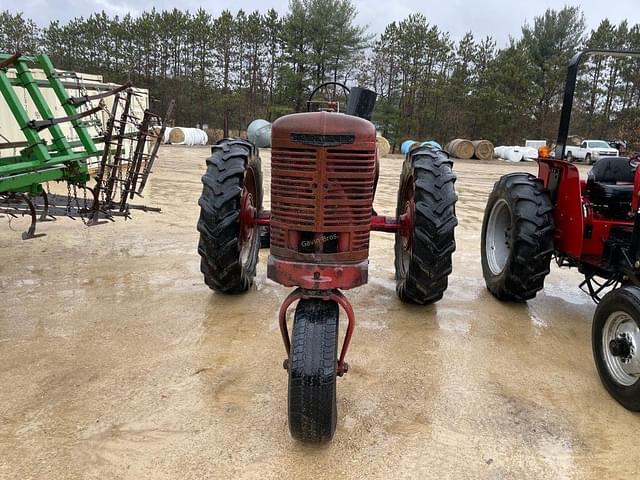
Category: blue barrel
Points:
column 407, row 144
column 259, row 133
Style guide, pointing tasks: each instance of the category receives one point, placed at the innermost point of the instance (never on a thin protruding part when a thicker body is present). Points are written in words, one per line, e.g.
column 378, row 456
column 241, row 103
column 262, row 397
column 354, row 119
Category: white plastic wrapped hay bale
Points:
column 513, row 154
column 529, row 153
column 187, row 136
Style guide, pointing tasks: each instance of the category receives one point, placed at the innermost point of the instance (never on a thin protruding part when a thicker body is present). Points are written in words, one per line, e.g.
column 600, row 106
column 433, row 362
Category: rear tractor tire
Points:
column 231, row 197
column 616, row 345
column 426, row 205
column 517, row 237
column 312, row 371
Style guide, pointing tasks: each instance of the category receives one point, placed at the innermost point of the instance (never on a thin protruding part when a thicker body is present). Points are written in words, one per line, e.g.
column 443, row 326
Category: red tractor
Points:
column 590, row 224
column 324, row 168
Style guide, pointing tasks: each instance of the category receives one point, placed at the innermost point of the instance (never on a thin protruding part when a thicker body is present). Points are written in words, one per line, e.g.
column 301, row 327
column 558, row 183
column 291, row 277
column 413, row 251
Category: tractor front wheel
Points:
column 616, row 345
column 517, row 237
column 426, row 210
column 231, row 198
column 312, row 371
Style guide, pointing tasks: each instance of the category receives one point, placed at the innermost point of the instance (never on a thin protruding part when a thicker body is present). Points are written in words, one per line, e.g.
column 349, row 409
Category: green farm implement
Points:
column 120, row 153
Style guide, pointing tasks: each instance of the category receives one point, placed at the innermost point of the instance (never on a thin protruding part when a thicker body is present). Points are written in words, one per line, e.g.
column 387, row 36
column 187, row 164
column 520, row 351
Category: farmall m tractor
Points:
column 590, row 224
column 324, row 168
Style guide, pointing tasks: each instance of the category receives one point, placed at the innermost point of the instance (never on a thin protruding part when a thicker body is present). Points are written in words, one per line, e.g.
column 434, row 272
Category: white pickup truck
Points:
column 590, row 151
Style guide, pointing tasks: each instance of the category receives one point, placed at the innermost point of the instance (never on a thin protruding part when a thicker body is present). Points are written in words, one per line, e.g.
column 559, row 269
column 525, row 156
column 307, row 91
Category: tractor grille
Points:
column 325, row 191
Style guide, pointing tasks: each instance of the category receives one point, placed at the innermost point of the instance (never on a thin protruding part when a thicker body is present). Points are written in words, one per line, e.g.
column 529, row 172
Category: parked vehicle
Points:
column 591, row 151
column 591, row 224
column 324, row 170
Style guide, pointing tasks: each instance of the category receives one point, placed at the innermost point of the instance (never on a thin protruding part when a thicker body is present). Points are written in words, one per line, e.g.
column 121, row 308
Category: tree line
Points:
column 241, row 66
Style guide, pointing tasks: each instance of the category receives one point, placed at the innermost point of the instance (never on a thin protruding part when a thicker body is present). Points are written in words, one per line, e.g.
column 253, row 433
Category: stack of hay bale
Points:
column 466, row 149
column 516, row 153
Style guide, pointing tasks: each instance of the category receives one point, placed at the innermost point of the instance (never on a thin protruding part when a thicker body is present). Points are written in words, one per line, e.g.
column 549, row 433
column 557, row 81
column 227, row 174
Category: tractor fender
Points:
column 562, row 181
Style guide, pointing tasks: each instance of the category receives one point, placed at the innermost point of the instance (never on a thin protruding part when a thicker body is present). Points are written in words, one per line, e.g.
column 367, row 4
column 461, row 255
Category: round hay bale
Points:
column 483, row 149
column 155, row 132
column 461, row 148
column 188, row 136
column 384, row 147
column 167, row 132
column 176, row 136
column 214, row 135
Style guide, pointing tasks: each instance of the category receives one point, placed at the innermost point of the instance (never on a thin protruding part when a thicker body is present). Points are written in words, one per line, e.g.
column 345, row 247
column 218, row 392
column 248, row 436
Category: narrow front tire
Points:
column 312, row 371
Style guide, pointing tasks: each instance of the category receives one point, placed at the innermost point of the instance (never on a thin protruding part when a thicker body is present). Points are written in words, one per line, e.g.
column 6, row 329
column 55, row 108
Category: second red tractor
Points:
column 591, row 224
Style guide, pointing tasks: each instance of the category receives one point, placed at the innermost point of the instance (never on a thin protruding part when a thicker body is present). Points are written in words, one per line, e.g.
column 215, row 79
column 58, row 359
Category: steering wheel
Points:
column 344, row 88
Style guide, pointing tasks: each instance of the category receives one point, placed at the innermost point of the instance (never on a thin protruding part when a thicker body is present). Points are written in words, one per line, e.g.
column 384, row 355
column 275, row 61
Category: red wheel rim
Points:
column 248, row 214
column 407, row 219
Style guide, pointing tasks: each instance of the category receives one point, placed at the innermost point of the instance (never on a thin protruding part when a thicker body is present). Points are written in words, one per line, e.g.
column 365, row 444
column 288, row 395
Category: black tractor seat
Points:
column 610, row 185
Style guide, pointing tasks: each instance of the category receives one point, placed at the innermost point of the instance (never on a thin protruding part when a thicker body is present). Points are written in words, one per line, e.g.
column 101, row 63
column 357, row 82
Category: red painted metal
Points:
column 322, row 187
column 580, row 232
column 317, row 276
column 333, row 295
column 338, row 297
column 263, row 218
column 247, row 217
column 568, row 213
column 406, row 223
column 323, row 175
column 248, row 214
column 380, row 223
column 635, row 200
column 282, row 317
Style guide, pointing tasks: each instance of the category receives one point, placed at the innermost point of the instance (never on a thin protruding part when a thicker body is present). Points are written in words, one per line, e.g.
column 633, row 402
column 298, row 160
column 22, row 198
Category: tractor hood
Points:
column 322, row 129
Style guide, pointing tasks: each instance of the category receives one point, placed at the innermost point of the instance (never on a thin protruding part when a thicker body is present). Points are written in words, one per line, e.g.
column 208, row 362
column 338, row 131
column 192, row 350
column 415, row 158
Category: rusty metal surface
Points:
column 329, row 296
column 321, row 189
column 317, row 276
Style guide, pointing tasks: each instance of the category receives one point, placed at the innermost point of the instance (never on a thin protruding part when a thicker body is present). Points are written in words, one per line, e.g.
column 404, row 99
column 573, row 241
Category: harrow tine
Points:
column 31, row 232
column 44, row 216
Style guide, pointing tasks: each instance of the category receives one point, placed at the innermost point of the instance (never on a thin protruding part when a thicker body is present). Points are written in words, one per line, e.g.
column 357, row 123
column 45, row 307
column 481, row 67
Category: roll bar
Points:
column 570, row 90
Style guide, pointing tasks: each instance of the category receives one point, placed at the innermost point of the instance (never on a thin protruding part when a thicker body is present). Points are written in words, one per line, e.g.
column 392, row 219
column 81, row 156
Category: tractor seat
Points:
column 610, row 184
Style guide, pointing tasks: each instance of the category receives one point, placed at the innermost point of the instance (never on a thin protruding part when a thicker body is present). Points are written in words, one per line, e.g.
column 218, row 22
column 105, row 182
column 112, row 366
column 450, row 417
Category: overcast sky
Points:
column 498, row 18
